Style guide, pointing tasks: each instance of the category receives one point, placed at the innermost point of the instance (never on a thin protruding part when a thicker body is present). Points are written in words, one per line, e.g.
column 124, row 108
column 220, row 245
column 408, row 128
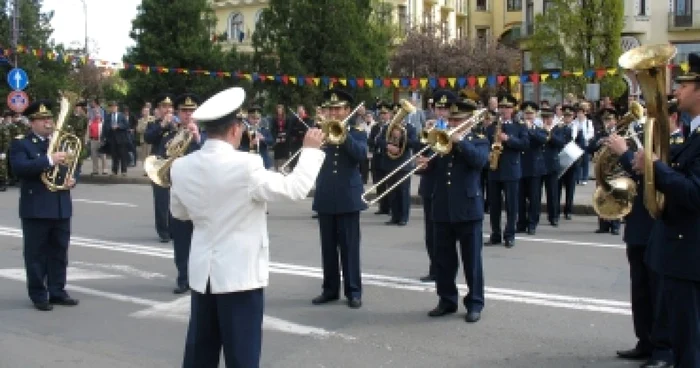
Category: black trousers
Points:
column 529, row 202
column 608, row 225
column 340, row 233
column 399, row 198
column 429, row 233
column 46, row 257
column 230, row 320
column 364, row 170
column 120, row 156
column 161, row 208
column 510, row 191
column 552, row 193
column 683, row 301
column 377, row 176
column 181, row 232
column 568, row 182
column 485, row 188
column 470, row 238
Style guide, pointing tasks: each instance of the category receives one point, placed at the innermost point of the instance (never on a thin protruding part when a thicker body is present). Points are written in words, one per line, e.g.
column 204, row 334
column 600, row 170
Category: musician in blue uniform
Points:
column 442, row 101
column 567, row 181
column 458, row 215
column 262, row 138
column 673, row 248
column 490, row 117
column 557, row 136
column 398, row 144
column 505, row 178
column 181, row 231
column 609, row 117
column 649, row 312
column 153, row 135
column 533, row 168
column 677, row 136
column 377, row 163
column 46, row 215
column 338, row 202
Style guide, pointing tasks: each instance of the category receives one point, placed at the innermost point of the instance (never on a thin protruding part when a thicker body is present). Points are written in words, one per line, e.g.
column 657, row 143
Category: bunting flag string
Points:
column 414, row 83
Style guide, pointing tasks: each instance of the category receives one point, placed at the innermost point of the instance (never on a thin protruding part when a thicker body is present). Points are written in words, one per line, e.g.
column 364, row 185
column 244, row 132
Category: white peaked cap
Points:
column 220, row 105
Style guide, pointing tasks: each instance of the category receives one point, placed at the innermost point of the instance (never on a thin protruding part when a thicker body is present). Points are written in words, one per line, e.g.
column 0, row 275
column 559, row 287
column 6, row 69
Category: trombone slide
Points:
column 400, row 181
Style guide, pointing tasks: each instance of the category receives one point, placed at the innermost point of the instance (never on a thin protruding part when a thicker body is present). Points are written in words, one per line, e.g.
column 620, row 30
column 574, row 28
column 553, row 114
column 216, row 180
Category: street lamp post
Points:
column 87, row 55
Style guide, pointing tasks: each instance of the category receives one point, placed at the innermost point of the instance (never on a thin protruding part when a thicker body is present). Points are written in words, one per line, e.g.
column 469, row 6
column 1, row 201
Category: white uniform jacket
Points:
column 224, row 193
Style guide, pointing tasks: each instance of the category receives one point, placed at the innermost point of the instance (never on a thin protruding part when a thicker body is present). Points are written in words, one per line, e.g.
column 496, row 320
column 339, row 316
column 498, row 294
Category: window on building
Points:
column 482, row 5
column 482, row 35
column 235, row 27
column 514, row 5
column 460, row 32
column 683, row 13
column 402, row 13
column 445, row 30
column 641, row 7
column 546, row 5
column 529, row 18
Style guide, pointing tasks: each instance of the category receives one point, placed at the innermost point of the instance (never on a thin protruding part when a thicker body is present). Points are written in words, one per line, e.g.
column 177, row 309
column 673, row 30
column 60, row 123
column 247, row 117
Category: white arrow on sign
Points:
column 18, row 80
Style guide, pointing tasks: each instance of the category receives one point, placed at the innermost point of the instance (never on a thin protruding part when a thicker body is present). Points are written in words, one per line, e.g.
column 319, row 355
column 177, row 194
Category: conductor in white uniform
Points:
column 224, row 193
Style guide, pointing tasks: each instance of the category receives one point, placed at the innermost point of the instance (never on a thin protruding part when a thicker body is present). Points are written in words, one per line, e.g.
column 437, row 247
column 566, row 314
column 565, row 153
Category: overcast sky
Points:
column 109, row 23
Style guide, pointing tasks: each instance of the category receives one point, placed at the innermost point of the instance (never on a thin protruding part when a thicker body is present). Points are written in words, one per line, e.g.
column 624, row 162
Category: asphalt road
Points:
column 557, row 299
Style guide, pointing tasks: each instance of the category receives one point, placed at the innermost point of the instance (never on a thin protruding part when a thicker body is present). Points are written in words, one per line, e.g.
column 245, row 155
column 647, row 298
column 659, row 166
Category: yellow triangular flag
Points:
column 369, row 82
column 685, row 67
column 316, row 80
column 227, row 74
column 578, row 73
column 423, row 82
column 514, row 79
column 246, row 76
column 293, row 80
column 612, row 71
column 544, row 77
column 452, row 81
column 482, row 80
column 343, row 81
column 396, row 82
column 270, row 77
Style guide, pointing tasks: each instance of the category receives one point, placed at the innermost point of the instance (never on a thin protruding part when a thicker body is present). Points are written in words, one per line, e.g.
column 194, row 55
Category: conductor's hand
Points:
column 314, row 138
column 58, row 158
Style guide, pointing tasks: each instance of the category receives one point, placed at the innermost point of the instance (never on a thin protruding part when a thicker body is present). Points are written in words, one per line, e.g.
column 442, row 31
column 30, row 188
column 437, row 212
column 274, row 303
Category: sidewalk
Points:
column 583, row 196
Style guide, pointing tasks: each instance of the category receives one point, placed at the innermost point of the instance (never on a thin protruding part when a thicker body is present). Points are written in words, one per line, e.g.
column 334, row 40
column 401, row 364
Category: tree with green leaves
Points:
column 46, row 77
column 579, row 35
column 339, row 38
column 176, row 34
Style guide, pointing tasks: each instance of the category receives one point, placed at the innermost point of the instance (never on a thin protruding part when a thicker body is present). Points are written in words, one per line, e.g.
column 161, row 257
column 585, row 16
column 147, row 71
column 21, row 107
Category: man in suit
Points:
column 229, row 258
column 155, row 131
column 116, row 130
column 557, row 137
column 378, row 169
column 533, row 168
column 402, row 136
column 45, row 214
column 443, row 99
column 673, row 250
column 262, row 138
column 458, row 213
column 338, row 202
column 504, row 179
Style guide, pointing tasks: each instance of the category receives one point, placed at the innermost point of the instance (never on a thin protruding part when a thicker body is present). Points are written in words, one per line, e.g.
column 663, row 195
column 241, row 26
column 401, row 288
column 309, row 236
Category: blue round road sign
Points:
column 17, row 79
column 17, row 101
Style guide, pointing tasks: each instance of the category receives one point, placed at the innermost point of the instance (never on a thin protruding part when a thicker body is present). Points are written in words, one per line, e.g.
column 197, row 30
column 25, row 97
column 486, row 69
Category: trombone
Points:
column 439, row 141
column 335, row 131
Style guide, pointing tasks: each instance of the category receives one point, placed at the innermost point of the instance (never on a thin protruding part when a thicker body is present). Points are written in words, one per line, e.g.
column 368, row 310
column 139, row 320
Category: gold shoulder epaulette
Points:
column 19, row 136
column 359, row 127
column 480, row 136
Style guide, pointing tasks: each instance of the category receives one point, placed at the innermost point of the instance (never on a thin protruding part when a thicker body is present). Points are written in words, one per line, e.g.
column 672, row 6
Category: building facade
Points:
column 646, row 22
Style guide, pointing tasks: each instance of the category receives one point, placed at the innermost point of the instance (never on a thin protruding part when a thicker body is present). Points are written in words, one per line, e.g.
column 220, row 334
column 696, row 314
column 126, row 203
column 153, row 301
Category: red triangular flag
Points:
column 472, row 81
column 501, row 79
column 285, row 79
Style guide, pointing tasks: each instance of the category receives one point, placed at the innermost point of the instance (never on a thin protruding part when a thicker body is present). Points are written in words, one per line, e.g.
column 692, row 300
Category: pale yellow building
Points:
column 646, row 22
column 237, row 19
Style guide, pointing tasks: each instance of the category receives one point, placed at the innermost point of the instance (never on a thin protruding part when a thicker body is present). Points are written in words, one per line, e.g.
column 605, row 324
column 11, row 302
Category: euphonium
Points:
column 650, row 63
column 62, row 141
column 157, row 168
column 397, row 124
column 497, row 146
column 614, row 194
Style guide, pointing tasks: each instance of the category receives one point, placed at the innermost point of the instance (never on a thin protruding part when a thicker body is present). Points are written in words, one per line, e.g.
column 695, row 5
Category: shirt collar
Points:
column 695, row 123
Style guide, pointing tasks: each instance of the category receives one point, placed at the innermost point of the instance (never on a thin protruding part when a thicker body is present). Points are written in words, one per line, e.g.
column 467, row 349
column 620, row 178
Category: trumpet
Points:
column 441, row 144
column 335, row 131
column 252, row 133
column 62, row 141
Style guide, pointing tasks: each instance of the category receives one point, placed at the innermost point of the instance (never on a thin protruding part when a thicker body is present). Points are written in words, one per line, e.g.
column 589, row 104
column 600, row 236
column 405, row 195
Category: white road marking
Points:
column 106, row 203
column 518, row 296
column 179, row 310
column 72, row 274
column 125, row 269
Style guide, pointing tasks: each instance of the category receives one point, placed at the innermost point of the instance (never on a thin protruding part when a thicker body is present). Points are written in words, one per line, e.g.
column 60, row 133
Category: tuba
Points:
column 62, row 141
column 497, row 146
column 397, row 125
column 614, row 194
column 650, row 62
column 158, row 169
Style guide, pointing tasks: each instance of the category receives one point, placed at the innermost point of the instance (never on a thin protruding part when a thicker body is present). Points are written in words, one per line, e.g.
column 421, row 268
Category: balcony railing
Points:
column 683, row 21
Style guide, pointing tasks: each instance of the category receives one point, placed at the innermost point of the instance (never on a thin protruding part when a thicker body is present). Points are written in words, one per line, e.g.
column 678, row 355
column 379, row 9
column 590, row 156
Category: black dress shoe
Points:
column 164, row 239
column 601, row 231
column 3, row 188
column 442, row 310
column 652, row 363
column 554, row 223
column 314, row 216
column 43, row 306
column 181, row 289
column 633, row 354
column 428, row 278
column 472, row 317
column 568, row 217
column 531, row 232
column 510, row 243
column 615, row 232
column 401, row 223
column 323, row 299
column 493, row 242
column 381, row 213
column 391, row 222
column 68, row 302
column 520, row 230
column 354, row 303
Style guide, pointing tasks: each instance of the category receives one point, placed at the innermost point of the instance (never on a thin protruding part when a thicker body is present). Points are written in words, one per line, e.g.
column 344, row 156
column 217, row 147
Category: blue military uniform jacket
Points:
column 339, row 185
column 532, row 160
column 427, row 181
column 509, row 163
column 673, row 245
column 376, row 149
column 263, row 146
column 638, row 223
column 457, row 190
column 29, row 160
column 560, row 136
column 389, row 164
column 677, row 140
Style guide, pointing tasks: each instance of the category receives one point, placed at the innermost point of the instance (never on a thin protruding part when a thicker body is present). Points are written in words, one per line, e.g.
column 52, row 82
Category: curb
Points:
column 579, row 209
